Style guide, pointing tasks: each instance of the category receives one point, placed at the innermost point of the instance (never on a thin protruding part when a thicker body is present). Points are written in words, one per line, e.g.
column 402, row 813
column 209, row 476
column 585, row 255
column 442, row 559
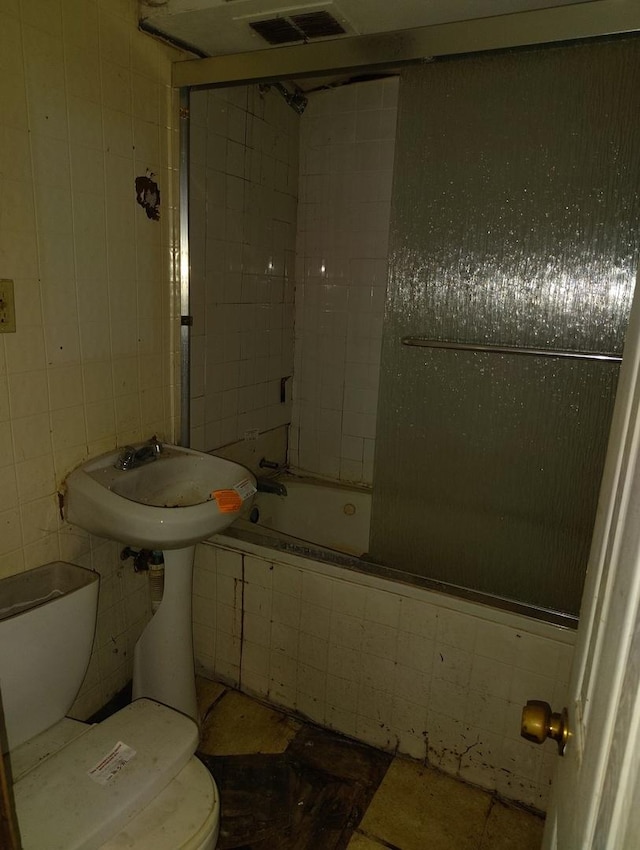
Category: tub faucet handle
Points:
column 156, row 445
column 269, row 464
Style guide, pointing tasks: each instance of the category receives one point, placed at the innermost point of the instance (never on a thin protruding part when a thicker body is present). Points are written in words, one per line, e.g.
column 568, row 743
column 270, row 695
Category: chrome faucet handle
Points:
column 269, row 464
column 127, row 458
column 156, row 445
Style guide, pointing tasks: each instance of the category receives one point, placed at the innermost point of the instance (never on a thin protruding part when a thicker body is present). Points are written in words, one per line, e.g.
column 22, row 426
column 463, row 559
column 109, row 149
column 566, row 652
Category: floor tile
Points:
column 238, row 725
column 310, row 797
column 208, row 693
column 510, row 828
column 288, row 785
column 417, row 807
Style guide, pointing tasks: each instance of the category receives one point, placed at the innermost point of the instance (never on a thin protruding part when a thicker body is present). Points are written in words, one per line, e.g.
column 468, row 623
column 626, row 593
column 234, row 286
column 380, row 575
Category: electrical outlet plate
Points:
column 7, row 308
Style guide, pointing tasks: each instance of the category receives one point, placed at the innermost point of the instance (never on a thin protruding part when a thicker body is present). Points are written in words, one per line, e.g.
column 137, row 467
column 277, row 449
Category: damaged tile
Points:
column 416, row 807
column 508, row 827
column 238, row 725
column 208, row 693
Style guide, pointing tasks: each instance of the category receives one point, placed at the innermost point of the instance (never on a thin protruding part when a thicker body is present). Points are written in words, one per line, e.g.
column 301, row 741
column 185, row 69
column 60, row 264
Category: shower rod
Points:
column 419, row 342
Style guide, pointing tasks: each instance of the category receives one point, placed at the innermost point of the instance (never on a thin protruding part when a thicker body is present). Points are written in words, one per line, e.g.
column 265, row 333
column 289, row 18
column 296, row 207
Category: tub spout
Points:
column 270, row 485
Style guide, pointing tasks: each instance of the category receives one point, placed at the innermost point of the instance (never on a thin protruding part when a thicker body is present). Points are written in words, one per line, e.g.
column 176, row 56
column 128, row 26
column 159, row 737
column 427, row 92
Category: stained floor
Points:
column 289, row 785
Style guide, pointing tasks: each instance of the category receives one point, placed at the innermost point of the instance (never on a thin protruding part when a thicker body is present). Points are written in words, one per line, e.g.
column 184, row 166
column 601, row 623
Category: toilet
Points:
column 131, row 782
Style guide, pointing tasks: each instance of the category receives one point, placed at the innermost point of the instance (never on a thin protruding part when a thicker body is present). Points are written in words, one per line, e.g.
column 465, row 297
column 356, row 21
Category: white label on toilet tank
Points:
column 245, row 489
column 111, row 764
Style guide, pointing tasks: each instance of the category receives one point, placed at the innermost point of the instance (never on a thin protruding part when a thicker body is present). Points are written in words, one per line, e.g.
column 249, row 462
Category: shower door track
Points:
column 418, row 342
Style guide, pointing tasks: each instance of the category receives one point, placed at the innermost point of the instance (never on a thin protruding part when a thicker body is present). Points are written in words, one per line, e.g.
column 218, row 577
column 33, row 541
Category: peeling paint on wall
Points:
column 148, row 195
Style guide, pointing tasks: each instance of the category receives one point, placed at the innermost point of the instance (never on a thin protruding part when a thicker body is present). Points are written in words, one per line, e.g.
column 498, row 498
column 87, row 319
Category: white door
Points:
column 595, row 801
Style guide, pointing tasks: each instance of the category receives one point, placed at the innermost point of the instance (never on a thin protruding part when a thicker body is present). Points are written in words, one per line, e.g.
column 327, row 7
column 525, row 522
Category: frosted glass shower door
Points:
column 515, row 224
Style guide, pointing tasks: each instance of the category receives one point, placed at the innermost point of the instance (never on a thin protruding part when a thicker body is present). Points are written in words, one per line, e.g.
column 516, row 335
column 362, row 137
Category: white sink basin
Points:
column 176, row 500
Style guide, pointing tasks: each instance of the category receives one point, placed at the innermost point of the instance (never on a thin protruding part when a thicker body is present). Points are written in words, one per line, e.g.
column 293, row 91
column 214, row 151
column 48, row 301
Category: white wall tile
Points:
column 255, row 659
column 246, row 219
column 287, row 580
column 345, row 197
column 317, row 592
column 314, row 650
column 373, row 731
column 415, row 651
column 491, row 677
column 396, row 667
column 256, row 629
column 58, row 60
column 344, row 662
column 346, row 631
column 343, row 721
column 342, row 694
column 283, row 674
column 449, row 699
column 452, row 665
column 479, row 764
column 315, row 620
column 383, row 607
column 285, row 639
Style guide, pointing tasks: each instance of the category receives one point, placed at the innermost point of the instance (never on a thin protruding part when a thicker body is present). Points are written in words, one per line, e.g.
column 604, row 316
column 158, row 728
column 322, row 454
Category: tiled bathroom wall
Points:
column 244, row 187
column 399, row 667
column 346, row 166
column 85, row 108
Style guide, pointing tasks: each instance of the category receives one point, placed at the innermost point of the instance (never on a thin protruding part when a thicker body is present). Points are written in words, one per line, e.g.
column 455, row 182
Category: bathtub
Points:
column 330, row 522
column 328, row 515
column 290, row 607
column 317, row 519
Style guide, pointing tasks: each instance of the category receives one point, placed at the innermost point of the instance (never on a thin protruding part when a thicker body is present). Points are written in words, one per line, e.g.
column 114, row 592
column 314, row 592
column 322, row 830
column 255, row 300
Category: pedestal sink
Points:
column 170, row 502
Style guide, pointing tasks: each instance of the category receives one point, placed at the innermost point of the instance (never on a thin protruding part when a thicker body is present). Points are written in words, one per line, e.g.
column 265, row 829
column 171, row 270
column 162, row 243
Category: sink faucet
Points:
column 132, row 457
column 156, row 445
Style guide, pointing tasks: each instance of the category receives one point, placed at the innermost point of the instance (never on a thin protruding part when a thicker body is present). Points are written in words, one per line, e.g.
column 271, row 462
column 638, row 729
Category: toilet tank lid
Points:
column 24, row 591
column 89, row 790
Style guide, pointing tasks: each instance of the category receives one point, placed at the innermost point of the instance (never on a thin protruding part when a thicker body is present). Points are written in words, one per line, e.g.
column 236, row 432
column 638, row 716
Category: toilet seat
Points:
column 129, row 782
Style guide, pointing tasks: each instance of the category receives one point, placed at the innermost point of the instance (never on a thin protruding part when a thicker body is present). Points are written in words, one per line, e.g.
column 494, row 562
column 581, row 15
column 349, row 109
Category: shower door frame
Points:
column 389, row 51
column 386, row 51
column 581, row 20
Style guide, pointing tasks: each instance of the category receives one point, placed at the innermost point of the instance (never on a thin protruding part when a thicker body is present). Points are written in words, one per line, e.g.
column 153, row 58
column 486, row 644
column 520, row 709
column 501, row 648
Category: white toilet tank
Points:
column 47, row 623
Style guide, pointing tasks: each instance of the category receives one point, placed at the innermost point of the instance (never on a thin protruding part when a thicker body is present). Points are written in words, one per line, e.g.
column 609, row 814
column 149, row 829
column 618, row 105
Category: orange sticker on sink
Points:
column 228, row 501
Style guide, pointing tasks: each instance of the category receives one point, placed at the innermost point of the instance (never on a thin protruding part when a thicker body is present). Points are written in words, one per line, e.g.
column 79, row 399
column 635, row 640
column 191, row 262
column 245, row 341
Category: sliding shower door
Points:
column 514, row 241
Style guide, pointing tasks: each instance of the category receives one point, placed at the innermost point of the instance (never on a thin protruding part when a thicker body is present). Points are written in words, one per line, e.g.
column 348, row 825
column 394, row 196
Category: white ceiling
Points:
column 216, row 27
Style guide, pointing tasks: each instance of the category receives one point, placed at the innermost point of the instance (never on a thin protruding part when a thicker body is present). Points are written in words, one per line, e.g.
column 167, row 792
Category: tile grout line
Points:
column 376, row 840
column 212, row 705
column 492, row 802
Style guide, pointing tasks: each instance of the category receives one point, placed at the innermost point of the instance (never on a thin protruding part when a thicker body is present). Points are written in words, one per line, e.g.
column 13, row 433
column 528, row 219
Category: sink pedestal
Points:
column 170, row 504
column 163, row 667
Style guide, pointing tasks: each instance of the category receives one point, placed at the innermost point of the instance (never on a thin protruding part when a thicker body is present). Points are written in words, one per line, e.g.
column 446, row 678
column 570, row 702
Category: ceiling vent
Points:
column 277, row 31
column 318, row 24
column 303, row 26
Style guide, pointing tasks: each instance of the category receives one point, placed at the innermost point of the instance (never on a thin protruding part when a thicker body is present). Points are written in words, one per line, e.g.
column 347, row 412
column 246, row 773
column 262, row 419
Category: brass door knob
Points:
column 540, row 723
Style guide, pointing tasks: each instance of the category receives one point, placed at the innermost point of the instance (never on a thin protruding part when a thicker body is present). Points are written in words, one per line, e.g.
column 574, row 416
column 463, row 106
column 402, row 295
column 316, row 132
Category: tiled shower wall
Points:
column 396, row 666
column 346, row 167
column 243, row 187
column 85, row 107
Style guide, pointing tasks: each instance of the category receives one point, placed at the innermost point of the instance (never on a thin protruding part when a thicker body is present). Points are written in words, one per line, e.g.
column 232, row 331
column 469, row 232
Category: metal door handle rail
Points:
column 418, row 342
